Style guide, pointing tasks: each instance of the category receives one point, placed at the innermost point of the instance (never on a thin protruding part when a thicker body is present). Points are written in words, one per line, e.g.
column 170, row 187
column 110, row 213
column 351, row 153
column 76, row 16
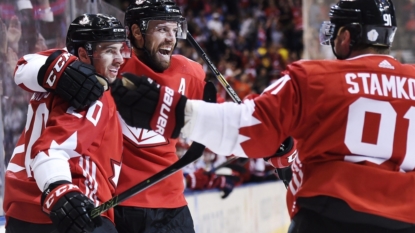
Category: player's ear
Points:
column 138, row 37
column 83, row 56
column 344, row 36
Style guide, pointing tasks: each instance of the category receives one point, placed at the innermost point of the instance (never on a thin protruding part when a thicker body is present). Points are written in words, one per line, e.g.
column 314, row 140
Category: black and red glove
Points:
column 199, row 180
column 285, row 154
column 72, row 80
column 225, row 184
column 283, row 159
column 204, row 180
column 284, row 174
column 69, row 208
column 145, row 104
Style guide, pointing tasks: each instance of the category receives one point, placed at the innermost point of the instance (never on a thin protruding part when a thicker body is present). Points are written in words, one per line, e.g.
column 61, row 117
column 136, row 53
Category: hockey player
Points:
column 154, row 28
column 68, row 161
column 353, row 119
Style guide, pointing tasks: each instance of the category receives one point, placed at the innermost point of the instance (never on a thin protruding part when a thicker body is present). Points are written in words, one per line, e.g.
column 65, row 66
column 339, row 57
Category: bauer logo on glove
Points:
column 143, row 103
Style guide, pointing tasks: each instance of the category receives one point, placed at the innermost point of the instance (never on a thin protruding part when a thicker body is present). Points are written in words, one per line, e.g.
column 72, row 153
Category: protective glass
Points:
column 179, row 31
column 326, row 32
column 111, row 49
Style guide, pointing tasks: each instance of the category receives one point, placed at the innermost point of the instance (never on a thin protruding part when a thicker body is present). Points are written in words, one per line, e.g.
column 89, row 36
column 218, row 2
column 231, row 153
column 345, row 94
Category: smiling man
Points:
column 67, row 161
column 154, row 28
column 109, row 67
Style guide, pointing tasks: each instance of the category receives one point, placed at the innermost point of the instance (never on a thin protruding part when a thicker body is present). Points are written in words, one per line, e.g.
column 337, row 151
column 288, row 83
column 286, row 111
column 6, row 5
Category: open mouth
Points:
column 165, row 50
column 114, row 71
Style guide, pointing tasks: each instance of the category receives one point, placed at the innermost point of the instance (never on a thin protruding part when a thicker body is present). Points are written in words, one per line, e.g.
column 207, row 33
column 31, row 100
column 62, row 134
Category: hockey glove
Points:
column 145, row 104
column 72, row 80
column 203, row 180
column 285, row 155
column 69, row 208
column 225, row 184
column 285, row 174
column 199, row 180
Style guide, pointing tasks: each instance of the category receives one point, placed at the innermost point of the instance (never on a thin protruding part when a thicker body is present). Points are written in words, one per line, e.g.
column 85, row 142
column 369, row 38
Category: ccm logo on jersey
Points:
column 164, row 110
column 56, row 193
column 60, row 63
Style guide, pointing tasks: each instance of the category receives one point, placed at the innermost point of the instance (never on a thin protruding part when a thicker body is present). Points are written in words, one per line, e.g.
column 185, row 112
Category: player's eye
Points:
column 110, row 51
column 163, row 29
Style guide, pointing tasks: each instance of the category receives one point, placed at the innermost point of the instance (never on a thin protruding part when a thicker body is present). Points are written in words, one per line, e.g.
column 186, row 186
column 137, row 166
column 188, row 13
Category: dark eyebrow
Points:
column 109, row 46
column 112, row 46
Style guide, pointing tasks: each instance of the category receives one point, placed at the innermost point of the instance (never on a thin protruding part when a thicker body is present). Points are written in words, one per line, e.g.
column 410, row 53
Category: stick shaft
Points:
column 212, row 67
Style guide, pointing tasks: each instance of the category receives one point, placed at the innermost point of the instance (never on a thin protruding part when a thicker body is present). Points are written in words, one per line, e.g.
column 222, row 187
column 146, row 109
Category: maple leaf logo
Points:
column 141, row 137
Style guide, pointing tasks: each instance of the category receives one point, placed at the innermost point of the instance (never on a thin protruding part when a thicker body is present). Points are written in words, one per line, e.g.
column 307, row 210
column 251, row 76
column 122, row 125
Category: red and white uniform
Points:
column 146, row 152
column 84, row 147
column 355, row 125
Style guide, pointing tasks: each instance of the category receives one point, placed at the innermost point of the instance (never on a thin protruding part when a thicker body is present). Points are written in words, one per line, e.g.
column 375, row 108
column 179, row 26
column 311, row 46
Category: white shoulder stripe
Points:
column 14, row 167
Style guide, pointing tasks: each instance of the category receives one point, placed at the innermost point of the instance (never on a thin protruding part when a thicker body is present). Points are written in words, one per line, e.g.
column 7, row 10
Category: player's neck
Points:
column 363, row 52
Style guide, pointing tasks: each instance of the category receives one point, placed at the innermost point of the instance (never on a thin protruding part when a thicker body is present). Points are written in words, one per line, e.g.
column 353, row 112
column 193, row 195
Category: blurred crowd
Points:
column 403, row 47
column 406, row 36
column 25, row 27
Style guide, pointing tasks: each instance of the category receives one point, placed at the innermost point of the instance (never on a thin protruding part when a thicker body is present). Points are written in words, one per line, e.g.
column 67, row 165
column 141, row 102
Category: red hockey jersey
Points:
column 146, row 152
column 354, row 121
column 90, row 140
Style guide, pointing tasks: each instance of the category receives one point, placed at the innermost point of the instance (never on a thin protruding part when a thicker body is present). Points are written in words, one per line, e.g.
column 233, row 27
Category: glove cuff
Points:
column 286, row 146
column 285, row 154
column 168, row 116
column 53, row 68
column 181, row 105
column 54, row 192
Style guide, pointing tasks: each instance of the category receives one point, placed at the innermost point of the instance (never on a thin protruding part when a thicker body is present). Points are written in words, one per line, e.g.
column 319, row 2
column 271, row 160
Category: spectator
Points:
column 215, row 24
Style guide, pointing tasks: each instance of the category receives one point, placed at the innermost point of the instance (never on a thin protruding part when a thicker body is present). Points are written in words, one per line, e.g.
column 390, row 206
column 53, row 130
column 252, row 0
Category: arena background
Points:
column 250, row 41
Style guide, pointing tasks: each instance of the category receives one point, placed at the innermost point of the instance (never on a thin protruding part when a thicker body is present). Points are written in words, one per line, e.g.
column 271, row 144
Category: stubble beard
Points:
column 151, row 59
column 158, row 64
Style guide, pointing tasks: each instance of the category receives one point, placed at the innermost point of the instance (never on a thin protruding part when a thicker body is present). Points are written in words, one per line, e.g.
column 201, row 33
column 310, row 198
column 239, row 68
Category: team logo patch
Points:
column 84, row 21
column 373, row 35
column 142, row 137
column 88, row 46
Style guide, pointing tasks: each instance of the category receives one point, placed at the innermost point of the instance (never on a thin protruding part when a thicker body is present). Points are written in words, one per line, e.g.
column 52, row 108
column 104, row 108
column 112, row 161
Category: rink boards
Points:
column 254, row 208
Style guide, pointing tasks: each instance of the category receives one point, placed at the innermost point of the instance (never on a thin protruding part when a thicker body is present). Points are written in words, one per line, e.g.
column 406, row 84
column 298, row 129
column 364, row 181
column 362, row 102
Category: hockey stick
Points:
column 212, row 67
column 192, row 154
column 222, row 81
column 224, row 164
column 195, row 151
